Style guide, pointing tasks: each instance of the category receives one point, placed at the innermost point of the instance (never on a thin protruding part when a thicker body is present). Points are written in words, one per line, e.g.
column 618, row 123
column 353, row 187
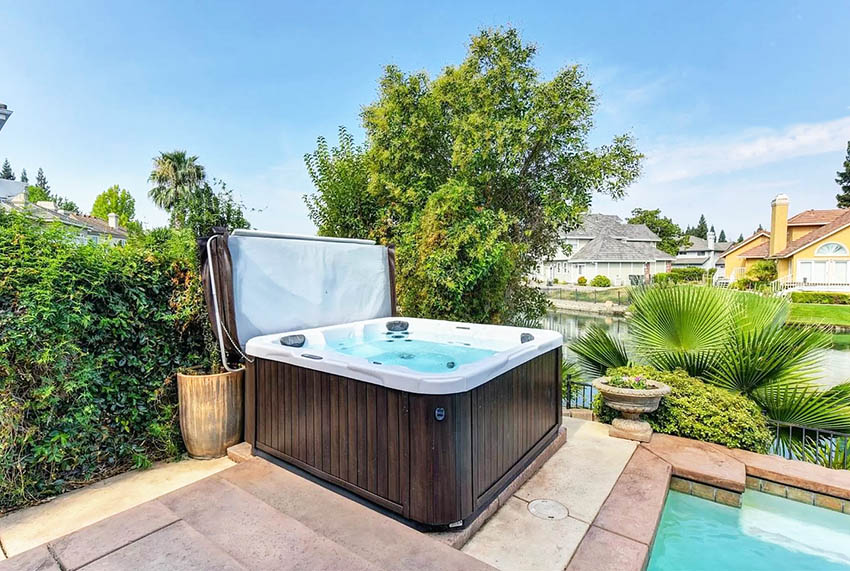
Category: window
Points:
column 831, row 249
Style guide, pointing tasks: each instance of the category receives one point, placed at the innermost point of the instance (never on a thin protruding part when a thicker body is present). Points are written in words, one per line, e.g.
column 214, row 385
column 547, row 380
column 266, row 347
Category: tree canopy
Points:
column 175, row 176
column 482, row 167
column 41, row 180
column 670, row 233
column 6, row 171
column 842, row 179
column 115, row 200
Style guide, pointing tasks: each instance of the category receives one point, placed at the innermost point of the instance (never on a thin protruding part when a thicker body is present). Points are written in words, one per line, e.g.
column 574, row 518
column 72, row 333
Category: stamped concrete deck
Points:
column 256, row 515
column 580, row 476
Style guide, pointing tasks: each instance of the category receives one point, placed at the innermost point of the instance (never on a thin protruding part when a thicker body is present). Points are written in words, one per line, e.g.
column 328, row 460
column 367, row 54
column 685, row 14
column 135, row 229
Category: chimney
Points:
column 710, row 241
column 47, row 204
column 778, row 224
column 113, row 220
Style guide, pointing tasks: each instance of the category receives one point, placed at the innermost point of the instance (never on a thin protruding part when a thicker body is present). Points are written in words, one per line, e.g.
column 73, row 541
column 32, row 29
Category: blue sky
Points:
column 731, row 102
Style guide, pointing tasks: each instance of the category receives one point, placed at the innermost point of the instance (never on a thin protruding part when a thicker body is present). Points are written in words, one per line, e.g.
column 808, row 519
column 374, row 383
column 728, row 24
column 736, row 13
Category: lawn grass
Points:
column 820, row 313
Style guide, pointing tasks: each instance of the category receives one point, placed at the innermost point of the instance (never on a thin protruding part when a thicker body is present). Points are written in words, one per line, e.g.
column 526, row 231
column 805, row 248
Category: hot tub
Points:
column 428, row 419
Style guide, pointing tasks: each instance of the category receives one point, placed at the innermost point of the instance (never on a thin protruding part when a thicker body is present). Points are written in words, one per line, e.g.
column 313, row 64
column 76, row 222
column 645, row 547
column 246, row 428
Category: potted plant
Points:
column 632, row 396
column 210, row 400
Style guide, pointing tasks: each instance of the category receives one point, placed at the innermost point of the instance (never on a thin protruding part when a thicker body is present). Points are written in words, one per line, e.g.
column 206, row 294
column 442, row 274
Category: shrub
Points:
column 663, row 278
column 698, row 410
column 824, row 297
column 600, row 281
column 582, row 281
column 90, row 336
column 688, row 274
column 555, row 281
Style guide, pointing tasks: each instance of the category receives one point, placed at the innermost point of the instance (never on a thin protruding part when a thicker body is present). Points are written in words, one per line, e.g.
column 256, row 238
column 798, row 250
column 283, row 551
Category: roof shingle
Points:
column 814, row 217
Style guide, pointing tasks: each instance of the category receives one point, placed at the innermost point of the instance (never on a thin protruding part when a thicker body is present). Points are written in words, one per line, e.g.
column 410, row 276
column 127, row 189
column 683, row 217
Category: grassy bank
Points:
column 810, row 313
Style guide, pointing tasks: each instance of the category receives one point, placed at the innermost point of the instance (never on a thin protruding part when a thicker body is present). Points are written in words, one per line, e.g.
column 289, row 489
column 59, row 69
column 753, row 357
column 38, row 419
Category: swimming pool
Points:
column 766, row 533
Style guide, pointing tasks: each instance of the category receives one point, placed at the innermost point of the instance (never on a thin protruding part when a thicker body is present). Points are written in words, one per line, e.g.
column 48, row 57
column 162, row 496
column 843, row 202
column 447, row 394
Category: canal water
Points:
column 572, row 324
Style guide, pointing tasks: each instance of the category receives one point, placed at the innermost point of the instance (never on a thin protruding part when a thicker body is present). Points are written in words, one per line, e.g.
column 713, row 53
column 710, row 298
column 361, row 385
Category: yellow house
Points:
column 812, row 247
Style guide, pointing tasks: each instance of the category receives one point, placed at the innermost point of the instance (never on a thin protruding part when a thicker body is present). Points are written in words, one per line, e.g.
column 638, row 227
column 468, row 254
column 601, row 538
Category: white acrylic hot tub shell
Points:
column 503, row 339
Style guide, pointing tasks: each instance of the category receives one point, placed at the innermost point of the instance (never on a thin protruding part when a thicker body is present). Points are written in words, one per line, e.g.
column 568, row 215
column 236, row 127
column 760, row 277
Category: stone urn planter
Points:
column 211, row 412
column 620, row 394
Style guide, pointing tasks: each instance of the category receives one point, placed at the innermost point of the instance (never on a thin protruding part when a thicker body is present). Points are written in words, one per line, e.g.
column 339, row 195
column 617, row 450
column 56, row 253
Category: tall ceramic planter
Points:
column 211, row 412
column 631, row 403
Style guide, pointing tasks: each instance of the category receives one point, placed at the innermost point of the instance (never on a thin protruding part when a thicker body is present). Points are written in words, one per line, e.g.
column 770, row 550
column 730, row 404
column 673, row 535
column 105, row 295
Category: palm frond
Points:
column 753, row 312
column 754, row 358
column 681, row 327
column 598, row 351
column 806, row 405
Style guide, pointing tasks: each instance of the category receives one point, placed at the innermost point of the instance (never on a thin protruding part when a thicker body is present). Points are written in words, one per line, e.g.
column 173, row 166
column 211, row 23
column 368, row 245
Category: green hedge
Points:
column 682, row 275
column 90, row 337
column 698, row 410
column 600, row 281
column 832, row 298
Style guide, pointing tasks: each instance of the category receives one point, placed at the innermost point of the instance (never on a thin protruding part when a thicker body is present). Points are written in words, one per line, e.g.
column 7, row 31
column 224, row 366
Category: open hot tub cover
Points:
column 283, row 283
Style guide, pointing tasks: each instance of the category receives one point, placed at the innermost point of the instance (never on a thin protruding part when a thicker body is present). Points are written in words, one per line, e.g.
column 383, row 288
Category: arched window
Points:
column 831, row 249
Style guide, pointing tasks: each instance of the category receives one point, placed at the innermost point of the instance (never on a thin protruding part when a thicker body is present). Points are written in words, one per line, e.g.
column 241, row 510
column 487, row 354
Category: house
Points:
column 810, row 248
column 89, row 228
column 702, row 253
column 605, row 245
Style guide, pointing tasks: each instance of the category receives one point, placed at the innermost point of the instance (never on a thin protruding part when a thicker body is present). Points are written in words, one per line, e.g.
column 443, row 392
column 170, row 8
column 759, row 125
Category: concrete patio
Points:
column 256, row 515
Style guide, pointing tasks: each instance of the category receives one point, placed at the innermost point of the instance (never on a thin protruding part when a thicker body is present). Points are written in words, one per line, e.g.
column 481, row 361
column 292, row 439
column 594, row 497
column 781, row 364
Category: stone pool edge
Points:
column 622, row 533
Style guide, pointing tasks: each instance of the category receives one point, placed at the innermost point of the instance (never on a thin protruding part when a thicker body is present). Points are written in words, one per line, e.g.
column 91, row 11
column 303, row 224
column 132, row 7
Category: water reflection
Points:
column 572, row 324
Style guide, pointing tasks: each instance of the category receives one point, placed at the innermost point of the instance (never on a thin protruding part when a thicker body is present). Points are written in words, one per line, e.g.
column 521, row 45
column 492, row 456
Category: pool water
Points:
column 766, row 533
column 399, row 348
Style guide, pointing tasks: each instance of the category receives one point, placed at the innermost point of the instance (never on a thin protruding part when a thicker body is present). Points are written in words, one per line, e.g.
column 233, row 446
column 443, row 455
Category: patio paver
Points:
column 27, row 528
column 580, row 476
column 699, row 461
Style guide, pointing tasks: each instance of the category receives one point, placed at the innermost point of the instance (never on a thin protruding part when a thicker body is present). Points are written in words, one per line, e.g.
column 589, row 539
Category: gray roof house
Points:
column 605, row 245
column 89, row 228
column 701, row 253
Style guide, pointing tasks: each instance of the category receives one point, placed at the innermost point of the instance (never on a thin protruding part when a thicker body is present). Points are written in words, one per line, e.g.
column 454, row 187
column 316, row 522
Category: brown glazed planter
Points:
column 631, row 403
column 211, row 413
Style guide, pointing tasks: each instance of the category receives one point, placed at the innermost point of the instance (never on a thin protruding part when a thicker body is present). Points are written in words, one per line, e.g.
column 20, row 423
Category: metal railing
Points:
column 578, row 394
column 815, row 445
column 617, row 296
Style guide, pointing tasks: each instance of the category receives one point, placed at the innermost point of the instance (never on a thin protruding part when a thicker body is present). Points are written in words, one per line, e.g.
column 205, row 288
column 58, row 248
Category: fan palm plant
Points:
column 734, row 340
column 175, row 177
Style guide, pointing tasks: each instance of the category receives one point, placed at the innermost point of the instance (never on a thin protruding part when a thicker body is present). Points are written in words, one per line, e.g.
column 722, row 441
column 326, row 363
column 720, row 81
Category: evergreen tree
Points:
column 41, row 180
column 702, row 228
column 24, row 178
column 7, row 172
column 712, row 230
column 760, row 228
column 722, row 237
column 740, row 238
column 843, row 180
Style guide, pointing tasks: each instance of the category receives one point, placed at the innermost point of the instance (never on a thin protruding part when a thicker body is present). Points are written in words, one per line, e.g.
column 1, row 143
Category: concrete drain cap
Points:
column 548, row 509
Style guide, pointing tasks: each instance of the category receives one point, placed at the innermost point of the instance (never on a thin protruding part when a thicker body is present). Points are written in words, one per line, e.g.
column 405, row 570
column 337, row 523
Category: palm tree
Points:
column 735, row 340
column 175, row 177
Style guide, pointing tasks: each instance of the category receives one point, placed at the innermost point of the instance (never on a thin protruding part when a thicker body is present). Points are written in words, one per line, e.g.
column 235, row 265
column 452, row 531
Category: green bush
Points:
column 600, row 281
column 824, row 297
column 582, row 281
column 698, row 410
column 90, row 338
column 555, row 281
column 663, row 278
column 681, row 275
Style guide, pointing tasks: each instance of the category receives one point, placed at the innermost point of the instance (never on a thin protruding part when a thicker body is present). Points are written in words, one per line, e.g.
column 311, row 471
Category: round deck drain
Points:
column 548, row 509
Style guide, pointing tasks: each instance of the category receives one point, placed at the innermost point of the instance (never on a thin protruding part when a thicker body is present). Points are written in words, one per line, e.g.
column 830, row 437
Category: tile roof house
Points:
column 701, row 253
column 89, row 228
column 604, row 245
column 811, row 248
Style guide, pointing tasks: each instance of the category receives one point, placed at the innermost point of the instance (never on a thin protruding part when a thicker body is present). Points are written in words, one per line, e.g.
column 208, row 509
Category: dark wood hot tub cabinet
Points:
column 433, row 459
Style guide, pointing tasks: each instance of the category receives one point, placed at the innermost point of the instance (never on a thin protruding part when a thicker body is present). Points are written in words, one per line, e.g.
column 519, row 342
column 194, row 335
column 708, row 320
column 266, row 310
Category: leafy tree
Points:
column 115, row 200
column 496, row 148
column 24, row 178
column 672, row 239
column 6, row 172
column 342, row 206
column 722, row 237
column 63, row 203
column 175, row 176
column 842, row 179
column 212, row 205
column 41, row 180
column 37, row 194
